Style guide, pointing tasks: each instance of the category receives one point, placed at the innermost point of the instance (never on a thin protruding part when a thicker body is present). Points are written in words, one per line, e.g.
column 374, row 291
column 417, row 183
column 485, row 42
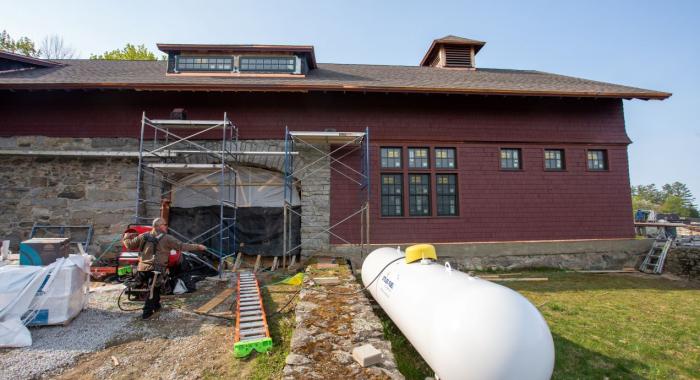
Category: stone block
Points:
column 366, row 355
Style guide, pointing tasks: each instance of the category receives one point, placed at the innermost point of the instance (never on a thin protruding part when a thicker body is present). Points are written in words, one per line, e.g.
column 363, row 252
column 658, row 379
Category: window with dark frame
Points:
column 268, row 64
column 511, row 159
column 390, row 158
column 194, row 63
column 554, row 159
column 446, row 190
column 597, row 159
column 445, row 158
column 392, row 195
column 418, row 158
column 419, row 195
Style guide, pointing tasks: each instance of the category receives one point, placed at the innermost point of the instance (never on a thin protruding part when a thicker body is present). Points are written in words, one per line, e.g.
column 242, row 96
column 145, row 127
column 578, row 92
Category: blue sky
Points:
column 648, row 44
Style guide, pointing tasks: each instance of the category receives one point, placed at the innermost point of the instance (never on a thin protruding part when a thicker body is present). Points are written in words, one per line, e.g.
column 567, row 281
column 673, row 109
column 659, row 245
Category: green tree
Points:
column 674, row 205
column 128, row 53
column 648, row 193
column 680, row 190
column 21, row 46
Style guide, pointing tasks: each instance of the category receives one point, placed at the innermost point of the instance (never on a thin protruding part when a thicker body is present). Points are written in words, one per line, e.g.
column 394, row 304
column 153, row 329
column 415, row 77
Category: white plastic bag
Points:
column 180, row 287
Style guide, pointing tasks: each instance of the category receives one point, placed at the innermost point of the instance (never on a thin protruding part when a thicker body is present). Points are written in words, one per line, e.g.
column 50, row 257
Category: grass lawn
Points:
column 616, row 326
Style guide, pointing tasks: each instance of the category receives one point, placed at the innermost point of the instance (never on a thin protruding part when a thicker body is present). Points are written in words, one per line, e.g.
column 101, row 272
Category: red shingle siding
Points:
column 494, row 205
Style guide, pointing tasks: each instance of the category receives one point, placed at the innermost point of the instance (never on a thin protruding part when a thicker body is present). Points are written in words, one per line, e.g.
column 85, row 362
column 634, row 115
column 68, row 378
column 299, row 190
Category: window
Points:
column 446, row 190
column 554, row 159
column 188, row 63
column 597, row 160
column 392, row 196
column 445, row 158
column 268, row 64
column 419, row 195
column 510, row 159
column 391, row 158
column 418, row 158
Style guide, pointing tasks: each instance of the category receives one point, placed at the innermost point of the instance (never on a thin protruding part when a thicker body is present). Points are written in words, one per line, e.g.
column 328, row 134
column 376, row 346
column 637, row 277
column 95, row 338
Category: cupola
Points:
column 452, row 52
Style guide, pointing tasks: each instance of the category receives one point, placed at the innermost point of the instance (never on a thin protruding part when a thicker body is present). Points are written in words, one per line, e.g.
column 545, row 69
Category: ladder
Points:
column 654, row 260
column 251, row 332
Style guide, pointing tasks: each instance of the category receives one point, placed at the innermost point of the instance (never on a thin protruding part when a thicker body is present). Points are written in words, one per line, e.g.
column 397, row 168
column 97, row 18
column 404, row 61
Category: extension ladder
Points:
column 251, row 332
column 654, row 260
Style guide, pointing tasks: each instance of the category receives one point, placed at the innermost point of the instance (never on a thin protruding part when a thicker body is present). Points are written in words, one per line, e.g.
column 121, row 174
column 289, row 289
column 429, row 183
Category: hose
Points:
column 119, row 301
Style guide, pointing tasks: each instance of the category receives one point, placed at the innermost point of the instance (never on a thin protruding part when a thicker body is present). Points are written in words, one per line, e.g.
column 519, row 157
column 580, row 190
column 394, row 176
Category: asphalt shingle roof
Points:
column 151, row 75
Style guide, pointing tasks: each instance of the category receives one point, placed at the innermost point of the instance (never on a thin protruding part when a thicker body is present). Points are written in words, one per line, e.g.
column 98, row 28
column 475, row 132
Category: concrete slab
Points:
column 367, row 355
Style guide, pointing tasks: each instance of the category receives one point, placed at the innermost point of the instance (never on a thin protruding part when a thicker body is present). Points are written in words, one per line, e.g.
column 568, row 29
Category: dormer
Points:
column 239, row 60
column 452, row 52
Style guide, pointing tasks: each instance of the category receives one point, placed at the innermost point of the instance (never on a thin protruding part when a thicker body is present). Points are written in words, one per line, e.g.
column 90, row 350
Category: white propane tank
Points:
column 464, row 327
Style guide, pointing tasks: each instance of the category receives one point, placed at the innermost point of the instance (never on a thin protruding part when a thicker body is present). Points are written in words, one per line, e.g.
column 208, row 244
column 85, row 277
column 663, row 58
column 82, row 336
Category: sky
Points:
column 647, row 44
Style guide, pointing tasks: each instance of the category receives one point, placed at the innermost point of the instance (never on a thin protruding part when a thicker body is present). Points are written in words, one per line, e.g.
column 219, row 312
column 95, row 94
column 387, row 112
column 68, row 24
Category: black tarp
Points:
column 258, row 230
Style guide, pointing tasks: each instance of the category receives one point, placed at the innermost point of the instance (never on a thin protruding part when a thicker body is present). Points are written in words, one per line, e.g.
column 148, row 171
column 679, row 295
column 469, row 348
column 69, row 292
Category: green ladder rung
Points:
column 244, row 348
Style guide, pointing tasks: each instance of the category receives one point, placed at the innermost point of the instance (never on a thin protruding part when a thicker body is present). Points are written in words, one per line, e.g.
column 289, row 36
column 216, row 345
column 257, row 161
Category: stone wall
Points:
column 102, row 191
column 684, row 262
column 573, row 254
column 66, row 191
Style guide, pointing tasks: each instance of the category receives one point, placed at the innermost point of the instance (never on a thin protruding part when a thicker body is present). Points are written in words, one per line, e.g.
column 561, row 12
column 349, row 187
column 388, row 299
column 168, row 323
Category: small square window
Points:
column 554, row 159
column 391, row 158
column 418, row 158
column 510, row 159
column 445, row 158
column 597, row 160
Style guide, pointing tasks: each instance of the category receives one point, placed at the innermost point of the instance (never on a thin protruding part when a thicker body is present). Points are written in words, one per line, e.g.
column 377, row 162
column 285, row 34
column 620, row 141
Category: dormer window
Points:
column 207, row 63
column 239, row 60
column 268, row 64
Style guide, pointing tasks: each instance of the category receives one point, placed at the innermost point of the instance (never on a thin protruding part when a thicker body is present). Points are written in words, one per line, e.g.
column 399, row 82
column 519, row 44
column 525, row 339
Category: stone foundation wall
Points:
column 684, row 262
column 102, row 191
column 575, row 254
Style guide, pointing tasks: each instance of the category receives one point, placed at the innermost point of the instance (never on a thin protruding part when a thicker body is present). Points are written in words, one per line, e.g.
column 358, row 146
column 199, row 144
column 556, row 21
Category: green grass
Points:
column 604, row 326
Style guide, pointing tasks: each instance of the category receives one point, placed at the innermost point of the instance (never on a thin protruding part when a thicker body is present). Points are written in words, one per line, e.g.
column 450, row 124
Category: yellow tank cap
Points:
column 420, row 251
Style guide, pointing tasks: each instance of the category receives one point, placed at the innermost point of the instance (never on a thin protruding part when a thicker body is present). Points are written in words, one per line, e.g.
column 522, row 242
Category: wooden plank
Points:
column 519, row 279
column 214, row 302
column 257, row 264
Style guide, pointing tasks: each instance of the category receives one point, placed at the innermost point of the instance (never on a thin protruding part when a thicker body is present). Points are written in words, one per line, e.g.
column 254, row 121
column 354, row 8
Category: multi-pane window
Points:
column 510, row 159
column 419, row 194
column 445, row 158
column 391, row 158
column 418, row 158
column 554, row 159
column 446, row 190
column 392, row 195
column 597, row 160
column 188, row 63
column 268, row 64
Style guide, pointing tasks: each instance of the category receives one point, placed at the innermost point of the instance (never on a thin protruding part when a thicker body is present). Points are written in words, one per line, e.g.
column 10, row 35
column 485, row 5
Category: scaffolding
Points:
column 341, row 145
column 170, row 155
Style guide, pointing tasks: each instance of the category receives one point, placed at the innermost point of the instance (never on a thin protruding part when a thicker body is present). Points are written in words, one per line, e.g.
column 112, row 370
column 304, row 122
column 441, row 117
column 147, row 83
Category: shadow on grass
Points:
column 571, row 281
column 576, row 362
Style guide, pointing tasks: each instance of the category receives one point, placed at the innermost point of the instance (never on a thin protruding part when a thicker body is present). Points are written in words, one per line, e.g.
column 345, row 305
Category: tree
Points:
column 674, row 205
column 680, row 190
column 648, row 193
column 53, row 47
column 22, row 46
column 129, row 53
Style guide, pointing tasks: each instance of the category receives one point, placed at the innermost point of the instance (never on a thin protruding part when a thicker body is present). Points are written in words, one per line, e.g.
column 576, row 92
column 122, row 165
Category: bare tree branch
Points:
column 53, row 47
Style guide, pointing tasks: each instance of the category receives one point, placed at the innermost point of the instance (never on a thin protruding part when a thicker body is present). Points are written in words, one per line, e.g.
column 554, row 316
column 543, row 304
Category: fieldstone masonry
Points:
column 684, row 262
column 102, row 191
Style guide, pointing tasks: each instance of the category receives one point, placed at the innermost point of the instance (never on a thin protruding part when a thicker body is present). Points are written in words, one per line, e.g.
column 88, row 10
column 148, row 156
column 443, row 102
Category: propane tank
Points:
column 464, row 327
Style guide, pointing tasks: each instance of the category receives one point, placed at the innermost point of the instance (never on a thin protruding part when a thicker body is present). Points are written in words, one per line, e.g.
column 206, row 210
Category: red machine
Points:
column 131, row 258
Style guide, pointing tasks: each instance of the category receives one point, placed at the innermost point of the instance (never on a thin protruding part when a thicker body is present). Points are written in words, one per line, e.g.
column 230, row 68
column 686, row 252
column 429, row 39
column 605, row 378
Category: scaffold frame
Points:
column 159, row 158
column 337, row 142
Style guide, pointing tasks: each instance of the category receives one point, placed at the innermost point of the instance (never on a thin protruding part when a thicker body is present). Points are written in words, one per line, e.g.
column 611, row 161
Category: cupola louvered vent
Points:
column 458, row 56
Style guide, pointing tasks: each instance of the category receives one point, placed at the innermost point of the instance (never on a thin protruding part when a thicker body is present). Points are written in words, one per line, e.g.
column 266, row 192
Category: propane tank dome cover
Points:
column 420, row 251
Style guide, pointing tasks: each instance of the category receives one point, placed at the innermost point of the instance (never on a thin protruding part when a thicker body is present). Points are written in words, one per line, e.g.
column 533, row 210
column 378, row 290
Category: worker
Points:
column 154, row 250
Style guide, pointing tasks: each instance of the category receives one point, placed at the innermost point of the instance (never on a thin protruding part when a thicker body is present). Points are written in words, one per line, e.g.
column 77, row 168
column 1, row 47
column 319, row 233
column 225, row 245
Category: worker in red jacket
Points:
column 154, row 250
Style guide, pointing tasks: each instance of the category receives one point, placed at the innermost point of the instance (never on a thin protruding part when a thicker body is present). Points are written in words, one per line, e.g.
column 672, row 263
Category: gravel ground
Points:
column 57, row 346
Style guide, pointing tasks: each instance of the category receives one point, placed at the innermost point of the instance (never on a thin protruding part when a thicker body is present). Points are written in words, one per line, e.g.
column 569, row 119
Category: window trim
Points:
column 242, row 57
column 177, row 68
column 521, row 165
column 564, row 166
column 606, row 160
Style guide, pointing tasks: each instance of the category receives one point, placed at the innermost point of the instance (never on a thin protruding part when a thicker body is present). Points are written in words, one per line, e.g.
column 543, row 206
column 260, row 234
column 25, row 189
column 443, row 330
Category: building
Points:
column 457, row 153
